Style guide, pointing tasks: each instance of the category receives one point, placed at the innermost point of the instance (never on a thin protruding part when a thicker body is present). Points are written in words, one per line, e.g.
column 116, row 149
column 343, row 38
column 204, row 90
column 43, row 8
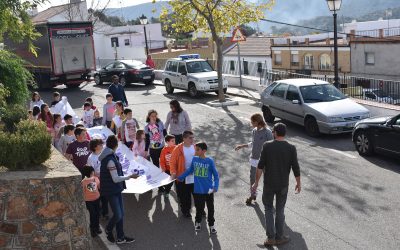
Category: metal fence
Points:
column 377, row 90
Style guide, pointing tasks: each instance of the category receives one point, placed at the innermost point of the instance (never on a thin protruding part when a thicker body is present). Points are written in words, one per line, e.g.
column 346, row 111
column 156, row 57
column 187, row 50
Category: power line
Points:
column 325, row 30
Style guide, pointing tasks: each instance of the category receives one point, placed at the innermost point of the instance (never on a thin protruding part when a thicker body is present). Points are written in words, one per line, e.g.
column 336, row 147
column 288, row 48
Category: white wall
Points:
column 266, row 64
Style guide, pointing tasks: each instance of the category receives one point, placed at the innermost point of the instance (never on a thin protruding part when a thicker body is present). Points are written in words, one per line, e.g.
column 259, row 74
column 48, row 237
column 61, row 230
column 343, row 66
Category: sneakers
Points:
column 95, row 232
column 125, row 240
column 110, row 237
column 284, row 240
column 197, row 226
column 213, row 230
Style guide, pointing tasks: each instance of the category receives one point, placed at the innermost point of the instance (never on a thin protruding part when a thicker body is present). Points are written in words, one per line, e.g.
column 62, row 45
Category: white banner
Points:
column 63, row 107
column 150, row 176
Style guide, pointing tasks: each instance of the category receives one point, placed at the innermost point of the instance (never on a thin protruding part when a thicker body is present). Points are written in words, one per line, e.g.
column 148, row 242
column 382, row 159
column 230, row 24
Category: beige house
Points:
column 310, row 57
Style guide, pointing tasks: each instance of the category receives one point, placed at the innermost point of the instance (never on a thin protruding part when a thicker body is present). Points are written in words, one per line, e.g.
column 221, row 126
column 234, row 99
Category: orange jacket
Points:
column 177, row 163
column 165, row 157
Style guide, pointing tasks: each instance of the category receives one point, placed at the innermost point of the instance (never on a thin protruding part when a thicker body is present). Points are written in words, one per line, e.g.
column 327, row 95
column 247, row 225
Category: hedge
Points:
column 11, row 115
column 27, row 147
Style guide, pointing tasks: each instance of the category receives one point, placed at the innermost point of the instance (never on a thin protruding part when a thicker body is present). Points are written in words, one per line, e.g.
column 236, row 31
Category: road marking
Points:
column 343, row 153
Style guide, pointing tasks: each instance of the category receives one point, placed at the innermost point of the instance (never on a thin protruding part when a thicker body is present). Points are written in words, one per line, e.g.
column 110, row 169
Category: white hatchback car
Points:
column 316, row 104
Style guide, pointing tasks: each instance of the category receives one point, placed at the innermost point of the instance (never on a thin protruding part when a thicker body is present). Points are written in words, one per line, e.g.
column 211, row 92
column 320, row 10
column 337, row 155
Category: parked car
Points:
column 129, row 71
column 316, row 104
column 189, row 72
column 379, row 95
column 379, row 134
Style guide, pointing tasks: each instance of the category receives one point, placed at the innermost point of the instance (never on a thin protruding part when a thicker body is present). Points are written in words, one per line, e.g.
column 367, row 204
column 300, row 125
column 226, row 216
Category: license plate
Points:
column 146, row 77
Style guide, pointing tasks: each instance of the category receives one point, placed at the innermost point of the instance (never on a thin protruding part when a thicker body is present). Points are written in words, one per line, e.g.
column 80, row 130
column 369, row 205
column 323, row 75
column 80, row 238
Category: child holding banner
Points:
column 108, row 111
column 90, row 186
column 128, row 128
column 139, row 144
column 206, row 182
column 165, row 159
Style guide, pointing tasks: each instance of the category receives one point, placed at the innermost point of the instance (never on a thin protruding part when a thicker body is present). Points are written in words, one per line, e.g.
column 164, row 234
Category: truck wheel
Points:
column 311, row 127
column 193, row 91
column 122, row 80
column 268, row 117
column 168, row 87
column 97, row 80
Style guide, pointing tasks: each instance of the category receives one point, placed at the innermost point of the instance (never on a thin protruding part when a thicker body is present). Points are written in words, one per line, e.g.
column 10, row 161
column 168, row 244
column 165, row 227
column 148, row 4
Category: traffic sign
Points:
column 238, row 36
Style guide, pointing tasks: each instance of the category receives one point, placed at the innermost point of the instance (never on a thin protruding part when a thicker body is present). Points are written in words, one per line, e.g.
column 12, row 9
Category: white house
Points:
column 390, row 27
column 255, row 54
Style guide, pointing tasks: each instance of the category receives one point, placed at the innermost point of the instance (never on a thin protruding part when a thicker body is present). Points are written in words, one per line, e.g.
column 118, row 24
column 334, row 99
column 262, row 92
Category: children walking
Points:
column 90, row 185
column 56, row 99
column 88, row 115
column 260, row 134
column 57, row 124
column 67, row 138
column 119, row 116
column 139, row 144
column 128, row 128
column 165, row 158
column 36, row 100
column 108, row 111
column 46, row 116
column 206, row 182
column 97, row 120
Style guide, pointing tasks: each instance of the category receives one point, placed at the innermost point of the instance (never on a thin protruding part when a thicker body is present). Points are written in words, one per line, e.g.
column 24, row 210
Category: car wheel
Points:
column 192, row 90
column 311, row 126
column 97, row 80
column 122, row 81
column 168, row 87
column 268, row 117
column 363, row 143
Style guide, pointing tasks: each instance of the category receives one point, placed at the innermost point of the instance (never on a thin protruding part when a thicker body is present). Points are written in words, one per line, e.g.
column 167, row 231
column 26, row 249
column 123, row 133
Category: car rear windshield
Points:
column 136, row 65
column 321, row 93
column 198, row 67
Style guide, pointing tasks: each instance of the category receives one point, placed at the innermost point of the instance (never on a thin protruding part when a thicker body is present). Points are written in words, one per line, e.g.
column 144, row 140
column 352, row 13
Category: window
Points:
column 321, row 93
column 245, row 67
column 279, row 91
column 369, row 94
column 109, row 66
column 182, row 68
column 369, row 58
column 119, row 65
column 198, row 67
column 294, row 58
column 127, row 42
column 292, row 94
column 325, row 62
column 114, row 42
column 232, row 65
column 397, row 122
column 173, row 66
column 278, row 58
column 308, row 61
column 259, row 67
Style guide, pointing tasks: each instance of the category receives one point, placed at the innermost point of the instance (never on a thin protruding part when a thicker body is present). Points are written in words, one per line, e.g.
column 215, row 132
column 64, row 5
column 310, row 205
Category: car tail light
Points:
column 134, row 71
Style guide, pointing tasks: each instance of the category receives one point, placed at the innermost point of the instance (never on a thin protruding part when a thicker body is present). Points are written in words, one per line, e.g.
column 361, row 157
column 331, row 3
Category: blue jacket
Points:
column 205, row 175
column 107, row 185
column 118, row 93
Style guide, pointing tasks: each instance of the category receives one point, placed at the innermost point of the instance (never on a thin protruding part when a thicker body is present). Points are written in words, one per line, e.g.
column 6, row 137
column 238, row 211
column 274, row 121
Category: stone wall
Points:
column 43, row 209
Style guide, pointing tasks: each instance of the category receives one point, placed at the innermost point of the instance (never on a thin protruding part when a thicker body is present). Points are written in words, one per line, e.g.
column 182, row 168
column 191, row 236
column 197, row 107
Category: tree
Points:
column 15, row 22
column 247, row 29
column 217, row 17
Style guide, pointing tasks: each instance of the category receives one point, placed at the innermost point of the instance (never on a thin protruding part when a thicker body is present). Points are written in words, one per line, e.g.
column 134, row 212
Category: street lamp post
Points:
column 143, row 21
column 334, row 6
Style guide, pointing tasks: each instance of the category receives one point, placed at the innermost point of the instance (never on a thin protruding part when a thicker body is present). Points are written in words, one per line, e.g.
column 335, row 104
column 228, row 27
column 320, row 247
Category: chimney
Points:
column 381, row 33
column 272, row 42
column 352, row 35
column 34, row 10
column 307, row 41
column 328, row 41
column 288, row 41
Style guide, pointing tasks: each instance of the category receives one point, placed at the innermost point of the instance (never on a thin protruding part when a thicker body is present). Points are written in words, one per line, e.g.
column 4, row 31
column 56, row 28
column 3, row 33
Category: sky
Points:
column 112, row 4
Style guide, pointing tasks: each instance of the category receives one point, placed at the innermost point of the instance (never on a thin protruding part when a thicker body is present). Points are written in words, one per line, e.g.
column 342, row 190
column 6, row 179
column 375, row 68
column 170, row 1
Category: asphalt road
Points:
column 347, row 201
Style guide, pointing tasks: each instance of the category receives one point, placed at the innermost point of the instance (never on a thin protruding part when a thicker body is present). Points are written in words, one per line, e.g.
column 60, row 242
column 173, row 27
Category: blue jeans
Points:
column 275, row 228
column 117, row 221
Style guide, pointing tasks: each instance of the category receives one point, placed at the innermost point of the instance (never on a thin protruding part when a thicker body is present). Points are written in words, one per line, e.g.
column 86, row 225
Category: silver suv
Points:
column 317, row 105
column 192, row 74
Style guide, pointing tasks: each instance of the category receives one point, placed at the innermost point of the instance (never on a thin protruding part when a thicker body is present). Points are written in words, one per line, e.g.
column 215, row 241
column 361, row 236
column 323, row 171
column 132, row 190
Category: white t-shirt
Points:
column 87, row 118
column 188, row 152
column 93, row 161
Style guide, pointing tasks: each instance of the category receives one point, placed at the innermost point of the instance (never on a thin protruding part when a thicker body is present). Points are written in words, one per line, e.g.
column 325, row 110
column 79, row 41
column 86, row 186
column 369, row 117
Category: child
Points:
column 90, row 185
column 155, row 133
column 35, row 112
column 117, row 119
column 67, row 138
column 56, row 99
column 206, row 182
column 108, row 111
column 88, row 115
column 57, row 124
column 260, row 134
column 80, row 125
column 96, row 147
column 90, row 100
column 97, row 120
column 128, row 128
column 36, row 100
column 46, row 116
column 165, row 157
column 139, row 144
